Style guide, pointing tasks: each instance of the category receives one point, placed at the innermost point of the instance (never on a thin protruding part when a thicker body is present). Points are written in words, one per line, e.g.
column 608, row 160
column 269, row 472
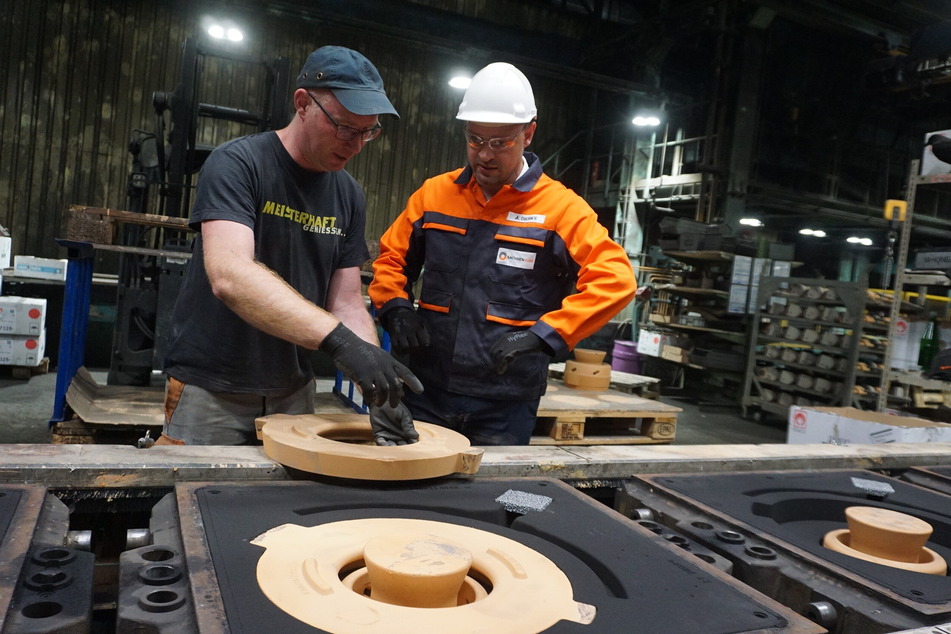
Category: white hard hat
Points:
column 499, row 93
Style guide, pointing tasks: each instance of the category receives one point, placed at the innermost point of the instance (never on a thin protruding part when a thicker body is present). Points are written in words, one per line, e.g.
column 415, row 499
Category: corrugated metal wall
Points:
column 78, row 78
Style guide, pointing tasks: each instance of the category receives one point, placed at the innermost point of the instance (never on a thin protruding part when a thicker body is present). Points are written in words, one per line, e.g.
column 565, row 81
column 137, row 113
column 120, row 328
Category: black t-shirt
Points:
column 306, row 226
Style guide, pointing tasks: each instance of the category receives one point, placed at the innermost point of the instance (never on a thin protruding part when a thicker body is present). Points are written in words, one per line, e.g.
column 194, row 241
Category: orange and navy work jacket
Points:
column 532, row 257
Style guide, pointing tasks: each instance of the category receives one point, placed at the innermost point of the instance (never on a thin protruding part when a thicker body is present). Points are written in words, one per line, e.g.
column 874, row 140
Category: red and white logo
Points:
column 901, row 328
column 799, row 421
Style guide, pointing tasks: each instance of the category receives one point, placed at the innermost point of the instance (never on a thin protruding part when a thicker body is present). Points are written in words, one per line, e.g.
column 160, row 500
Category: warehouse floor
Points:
column 26, row 407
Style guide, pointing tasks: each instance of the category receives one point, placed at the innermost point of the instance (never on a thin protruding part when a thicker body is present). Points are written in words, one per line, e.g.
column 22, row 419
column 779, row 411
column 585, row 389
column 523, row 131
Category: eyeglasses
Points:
column 345, row 132
column 496, row 144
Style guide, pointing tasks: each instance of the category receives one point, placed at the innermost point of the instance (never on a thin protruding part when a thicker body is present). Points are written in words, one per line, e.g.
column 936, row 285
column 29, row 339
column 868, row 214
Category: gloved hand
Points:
column 407, row 330
column 514, row 345
column 392, row 425
column 378, row 374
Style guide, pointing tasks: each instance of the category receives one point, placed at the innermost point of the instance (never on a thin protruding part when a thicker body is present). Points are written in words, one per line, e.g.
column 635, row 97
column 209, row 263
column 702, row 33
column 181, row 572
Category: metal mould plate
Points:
column 777, row 520
column 937, row 478
column 44, row 586
column 637, row 581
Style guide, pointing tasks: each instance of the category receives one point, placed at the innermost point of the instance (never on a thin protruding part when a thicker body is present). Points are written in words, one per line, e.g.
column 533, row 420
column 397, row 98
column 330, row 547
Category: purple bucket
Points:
column 625, row 358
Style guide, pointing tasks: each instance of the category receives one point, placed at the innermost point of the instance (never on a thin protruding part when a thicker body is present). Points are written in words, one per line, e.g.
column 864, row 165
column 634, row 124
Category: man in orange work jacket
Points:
column 515, row 269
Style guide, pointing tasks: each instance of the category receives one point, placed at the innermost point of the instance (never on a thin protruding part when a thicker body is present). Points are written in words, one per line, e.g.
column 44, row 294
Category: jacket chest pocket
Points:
column 520, row 256
column 445, row 240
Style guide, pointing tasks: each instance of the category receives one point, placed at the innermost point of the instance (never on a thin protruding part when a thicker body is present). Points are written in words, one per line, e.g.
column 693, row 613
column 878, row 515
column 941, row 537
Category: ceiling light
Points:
column 853, row 239
column 815, row 233
column 222, row 29
column 642, row 121
column 460, row 81
column 751, row 222
column 819, row 233
column 865, row 242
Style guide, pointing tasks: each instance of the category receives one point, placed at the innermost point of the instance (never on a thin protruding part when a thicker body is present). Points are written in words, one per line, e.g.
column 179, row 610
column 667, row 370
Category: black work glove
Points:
column 407, row 330
column 514, row 345
column 392, row 425
column 378, row 374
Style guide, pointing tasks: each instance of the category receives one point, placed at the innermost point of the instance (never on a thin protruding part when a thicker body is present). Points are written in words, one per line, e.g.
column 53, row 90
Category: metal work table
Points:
column 121, row 466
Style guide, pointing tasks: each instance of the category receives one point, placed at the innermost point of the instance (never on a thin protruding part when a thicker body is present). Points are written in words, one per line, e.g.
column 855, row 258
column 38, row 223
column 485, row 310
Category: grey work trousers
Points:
column 195, row 416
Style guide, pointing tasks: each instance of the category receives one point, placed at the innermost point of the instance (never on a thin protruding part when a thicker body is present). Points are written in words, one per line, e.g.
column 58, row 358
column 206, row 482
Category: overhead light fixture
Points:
column 646, row 121
column 815, row 233
column 865, row 242
column 223, row 29
column 751, row 222
column 460, row 81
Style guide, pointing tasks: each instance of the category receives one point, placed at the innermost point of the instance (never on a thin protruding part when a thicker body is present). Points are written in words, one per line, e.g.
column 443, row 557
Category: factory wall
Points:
column 79, row 75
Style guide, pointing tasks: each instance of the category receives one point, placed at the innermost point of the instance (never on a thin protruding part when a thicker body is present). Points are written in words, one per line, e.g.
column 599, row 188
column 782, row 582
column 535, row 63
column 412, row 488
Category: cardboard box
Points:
column 742, row 269
column 6, row 246
column 675, row 354
column 850, row 426
column 26, row 350
column 22, row 315
column 739, row 297
column 41, row 268
column 650, row 342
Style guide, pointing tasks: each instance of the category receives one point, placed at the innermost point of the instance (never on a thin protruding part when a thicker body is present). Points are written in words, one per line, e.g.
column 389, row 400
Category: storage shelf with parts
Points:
column 693, row 301
column 806, row 342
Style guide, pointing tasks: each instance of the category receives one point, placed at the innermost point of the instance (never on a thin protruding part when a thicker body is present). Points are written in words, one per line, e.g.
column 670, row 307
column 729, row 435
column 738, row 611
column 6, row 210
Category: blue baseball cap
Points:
column 352, row 78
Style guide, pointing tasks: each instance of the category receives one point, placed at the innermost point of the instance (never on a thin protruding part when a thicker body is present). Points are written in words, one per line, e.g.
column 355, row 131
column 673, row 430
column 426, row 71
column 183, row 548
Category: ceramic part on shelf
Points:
column 887, row 537
column 587, row 372
column 344, row 448
column 313, row 574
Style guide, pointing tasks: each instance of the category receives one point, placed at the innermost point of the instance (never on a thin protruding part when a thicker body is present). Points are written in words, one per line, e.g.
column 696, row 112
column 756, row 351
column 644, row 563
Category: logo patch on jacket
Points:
column 536, row 218
column 518, row 259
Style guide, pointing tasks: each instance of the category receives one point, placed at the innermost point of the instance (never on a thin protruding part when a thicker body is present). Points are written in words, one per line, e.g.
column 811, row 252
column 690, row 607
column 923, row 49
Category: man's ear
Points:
column 301, row 101
column 530, row 133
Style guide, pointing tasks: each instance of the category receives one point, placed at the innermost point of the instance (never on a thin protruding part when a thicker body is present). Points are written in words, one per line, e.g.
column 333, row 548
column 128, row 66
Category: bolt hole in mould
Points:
column 855, row 551
column 442, row 553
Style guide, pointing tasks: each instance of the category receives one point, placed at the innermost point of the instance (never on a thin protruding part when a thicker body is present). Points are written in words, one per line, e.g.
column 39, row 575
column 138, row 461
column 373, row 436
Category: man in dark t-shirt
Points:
column 276, row 270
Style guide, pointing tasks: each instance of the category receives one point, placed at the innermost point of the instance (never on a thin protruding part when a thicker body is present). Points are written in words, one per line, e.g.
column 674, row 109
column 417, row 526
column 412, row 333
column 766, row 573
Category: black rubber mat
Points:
column 801, row 507
column 636, row 584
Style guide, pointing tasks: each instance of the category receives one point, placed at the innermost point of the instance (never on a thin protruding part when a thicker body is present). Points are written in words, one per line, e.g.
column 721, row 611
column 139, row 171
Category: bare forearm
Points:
column 346, row 302
column 264, row 300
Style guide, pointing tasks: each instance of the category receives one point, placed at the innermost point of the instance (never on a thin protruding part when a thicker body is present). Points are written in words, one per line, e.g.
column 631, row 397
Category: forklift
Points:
column 165, row 165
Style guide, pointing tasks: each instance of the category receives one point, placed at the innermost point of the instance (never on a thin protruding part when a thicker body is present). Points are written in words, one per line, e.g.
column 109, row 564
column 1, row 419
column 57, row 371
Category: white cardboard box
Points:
column 850, row 426
column 25, row 350
column 6, row 246
column 42, row 268
column 22, row 315
column 650, row 342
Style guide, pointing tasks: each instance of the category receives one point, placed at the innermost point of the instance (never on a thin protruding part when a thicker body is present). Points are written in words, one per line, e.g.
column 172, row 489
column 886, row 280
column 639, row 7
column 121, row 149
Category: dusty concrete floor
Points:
column 27, row 405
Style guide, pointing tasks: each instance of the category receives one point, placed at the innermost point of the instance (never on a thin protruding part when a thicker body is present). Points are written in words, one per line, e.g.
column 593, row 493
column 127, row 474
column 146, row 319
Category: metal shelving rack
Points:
column 815, row 370
column 902, row 277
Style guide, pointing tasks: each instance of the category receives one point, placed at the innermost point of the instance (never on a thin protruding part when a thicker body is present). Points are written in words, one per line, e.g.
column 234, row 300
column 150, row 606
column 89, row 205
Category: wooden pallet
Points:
column 922, row 396
column 576, row 417
column 24, row 372
column 75, row 431
column 922, row 391
column 643, row 386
